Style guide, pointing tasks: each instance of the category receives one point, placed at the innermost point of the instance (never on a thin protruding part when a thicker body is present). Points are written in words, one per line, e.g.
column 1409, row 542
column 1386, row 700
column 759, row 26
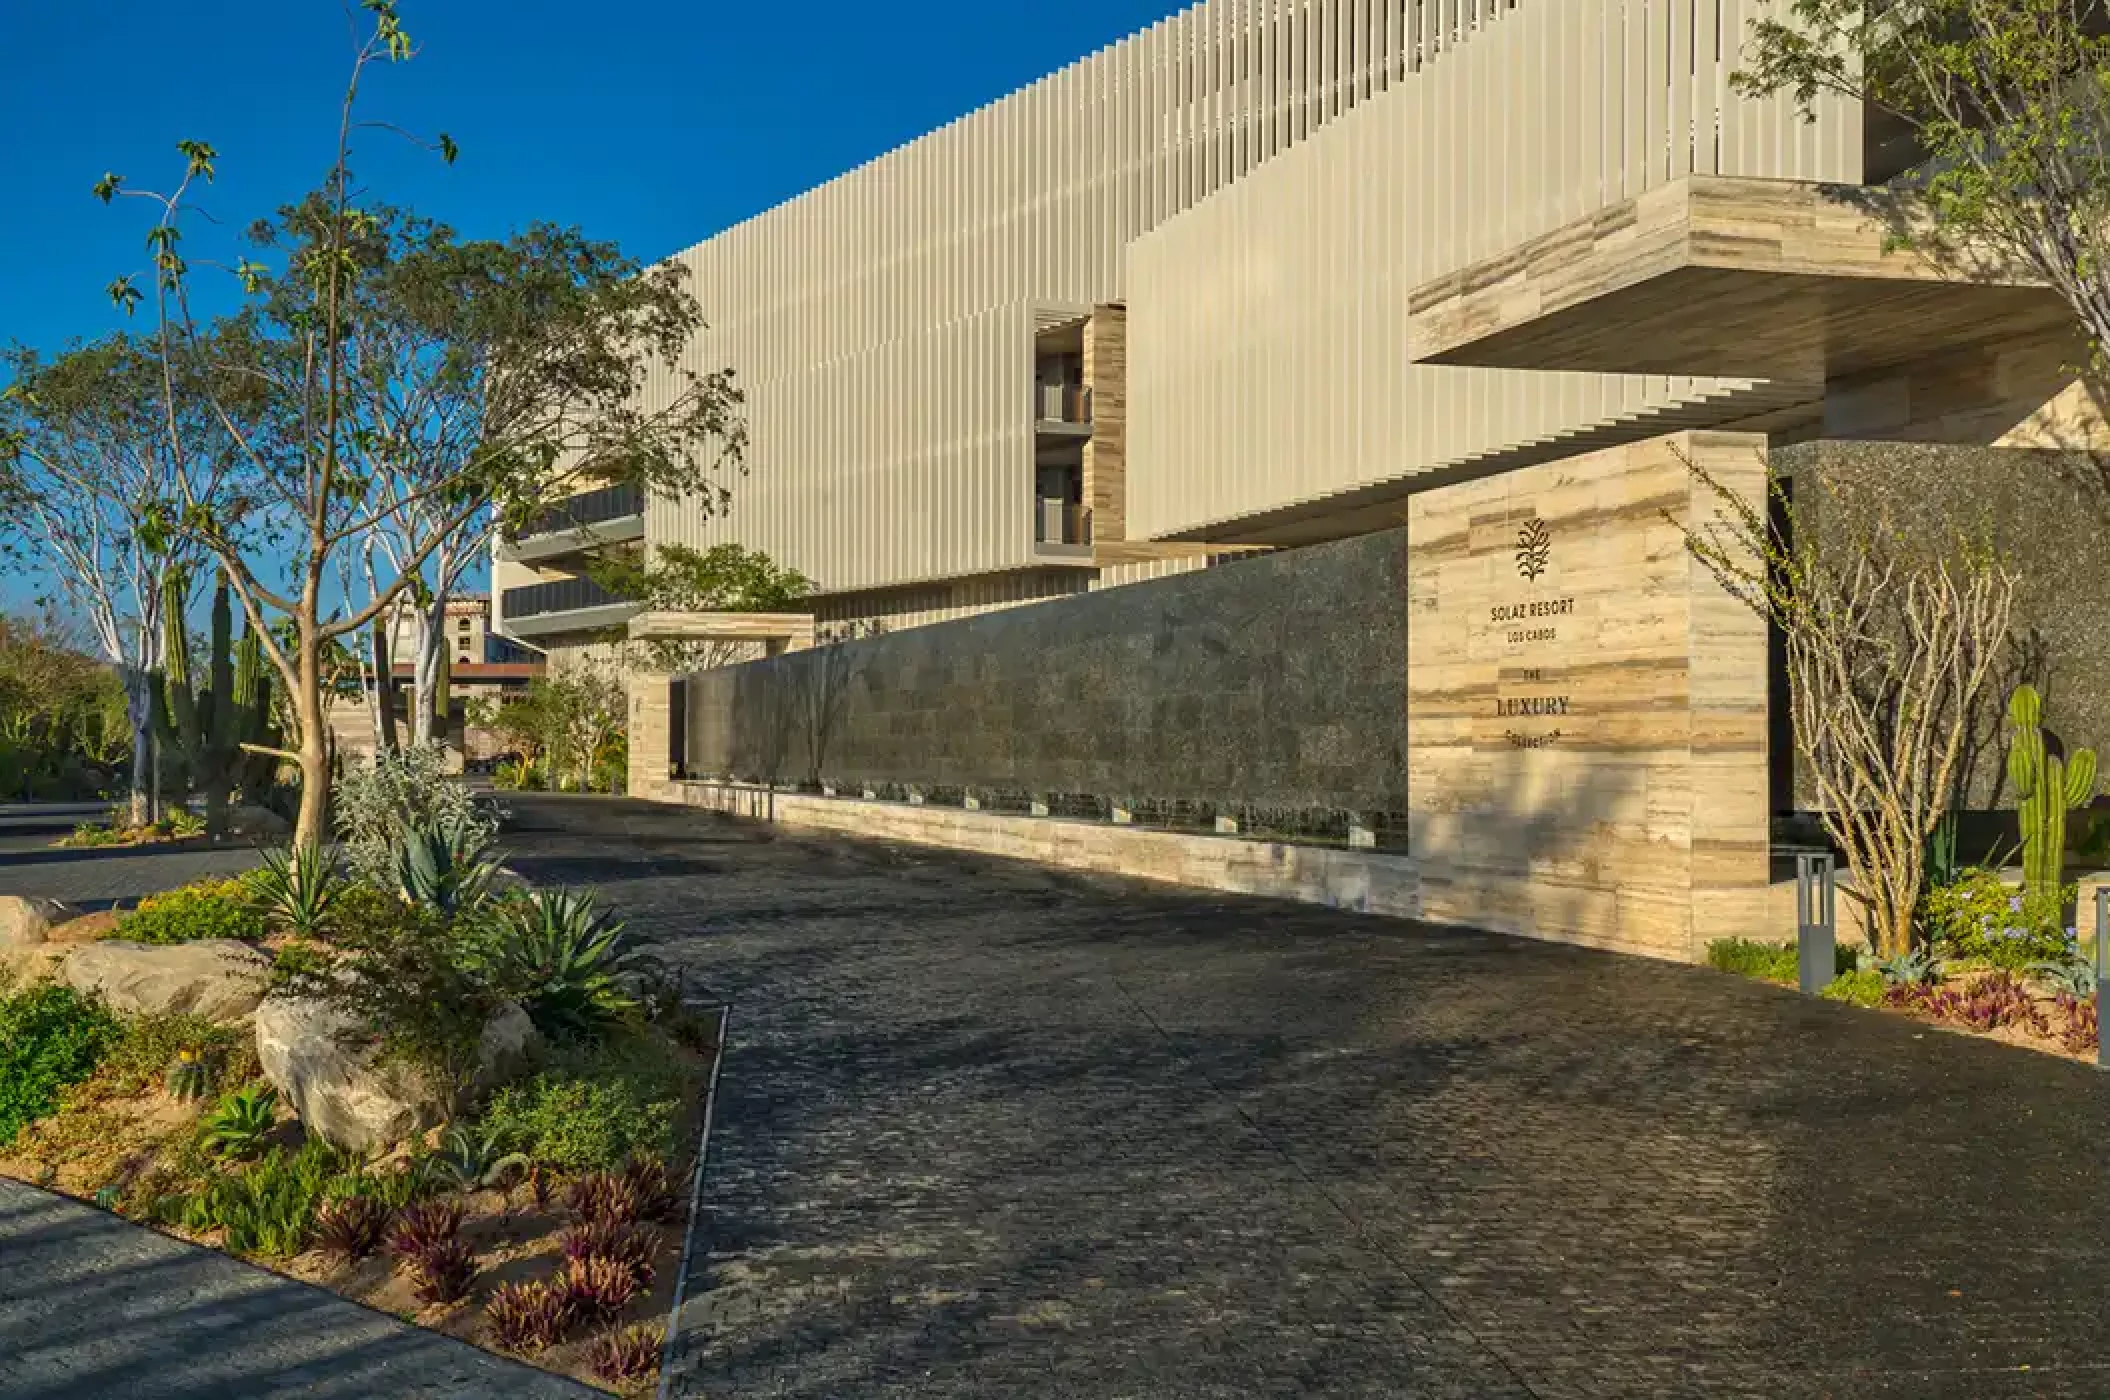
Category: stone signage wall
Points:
column 1586, row 709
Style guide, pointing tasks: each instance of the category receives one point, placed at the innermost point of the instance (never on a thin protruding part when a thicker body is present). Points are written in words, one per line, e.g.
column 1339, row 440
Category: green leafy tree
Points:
column 404, row 381
column 2007, row 103
column 724, row 578
column 89, row 473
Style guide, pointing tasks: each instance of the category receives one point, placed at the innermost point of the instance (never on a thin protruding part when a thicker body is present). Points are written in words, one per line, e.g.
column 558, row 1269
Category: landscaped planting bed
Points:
column 390, row 1071
column 1991, row 960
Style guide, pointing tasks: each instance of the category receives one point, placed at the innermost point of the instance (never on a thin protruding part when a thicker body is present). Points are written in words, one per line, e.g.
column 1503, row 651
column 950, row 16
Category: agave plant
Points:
column 446, row 867
column 1914, row 968
column 468, row 1159
column 2068, row 977
column 296, row 887
column 560, row 957
column 243, row 1120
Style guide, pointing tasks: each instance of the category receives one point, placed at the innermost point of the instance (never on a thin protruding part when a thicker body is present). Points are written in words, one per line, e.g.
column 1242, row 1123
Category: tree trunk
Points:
column 382, row 699
column 139, row 713
column 432, row 635
column 308, row 719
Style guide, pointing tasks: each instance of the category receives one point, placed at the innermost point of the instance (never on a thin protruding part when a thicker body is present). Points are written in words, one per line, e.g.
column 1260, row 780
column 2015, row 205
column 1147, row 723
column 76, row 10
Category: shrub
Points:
column 90, row 834
column 444, row 1271
column 633, row 1246
column 351, row 1227
column 1995, row 1000
column 599, row 1288
column 1862, row 988
column 358, row 905
column 2078, row 1027
column 146, row 1053
column 398, row 792
column 594, row 1106
column 270, row 1208
column 408, row 979
column 1775, row 962
column 626, row 1356
column 604, row 1198
column 51, row 1037
column 207, row 909
column 652, row 1187
column 1978, row 916
column 419, row 1227
column 529, row 1317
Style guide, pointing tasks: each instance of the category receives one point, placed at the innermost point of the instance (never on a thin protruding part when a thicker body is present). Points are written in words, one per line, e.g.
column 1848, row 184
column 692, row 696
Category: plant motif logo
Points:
column 1534, row 548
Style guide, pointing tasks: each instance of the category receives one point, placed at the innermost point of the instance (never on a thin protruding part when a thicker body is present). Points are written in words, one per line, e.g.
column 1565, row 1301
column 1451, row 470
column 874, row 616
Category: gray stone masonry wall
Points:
column 2043, row 512
column 1278, row 680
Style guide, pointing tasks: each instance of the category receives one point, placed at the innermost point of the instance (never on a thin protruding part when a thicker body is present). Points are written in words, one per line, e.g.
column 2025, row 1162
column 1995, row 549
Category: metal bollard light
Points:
column 2102, row 971
column 1816, row 933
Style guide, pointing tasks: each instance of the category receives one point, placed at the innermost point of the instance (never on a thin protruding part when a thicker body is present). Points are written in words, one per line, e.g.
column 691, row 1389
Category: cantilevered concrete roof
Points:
column 1726, row 276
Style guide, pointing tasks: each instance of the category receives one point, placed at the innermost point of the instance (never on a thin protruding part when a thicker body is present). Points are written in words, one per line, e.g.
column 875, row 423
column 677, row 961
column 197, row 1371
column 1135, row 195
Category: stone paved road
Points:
column 93, row 1308
column 988, row 1130
column 92, row 879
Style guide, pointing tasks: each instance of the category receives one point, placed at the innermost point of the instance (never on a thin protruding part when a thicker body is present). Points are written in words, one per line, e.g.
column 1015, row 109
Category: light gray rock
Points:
column 216, row 978
column 340, row 1088
column 26, row 920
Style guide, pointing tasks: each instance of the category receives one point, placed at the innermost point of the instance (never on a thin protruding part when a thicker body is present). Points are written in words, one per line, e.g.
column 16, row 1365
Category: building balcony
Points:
column 611, row 515
column 1062, row 529
column 1062, row 410
column 565, row 605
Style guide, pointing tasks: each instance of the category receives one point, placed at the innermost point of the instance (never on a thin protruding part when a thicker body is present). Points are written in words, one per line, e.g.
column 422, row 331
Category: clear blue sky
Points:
column 654, row 123
column 651, row 122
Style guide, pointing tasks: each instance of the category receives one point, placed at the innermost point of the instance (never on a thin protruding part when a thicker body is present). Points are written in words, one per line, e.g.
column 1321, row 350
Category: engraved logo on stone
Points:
column 1534, row 548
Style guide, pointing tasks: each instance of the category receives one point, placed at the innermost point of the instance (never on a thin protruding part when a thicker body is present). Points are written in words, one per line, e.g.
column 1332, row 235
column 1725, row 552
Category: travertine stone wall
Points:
column 1106, row 453
column 651, row 728
column 1586, row 710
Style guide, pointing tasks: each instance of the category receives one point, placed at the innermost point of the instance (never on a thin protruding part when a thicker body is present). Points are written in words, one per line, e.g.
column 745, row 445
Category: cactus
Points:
column 2048, row 788
column 209, row 726
column 188, row 1077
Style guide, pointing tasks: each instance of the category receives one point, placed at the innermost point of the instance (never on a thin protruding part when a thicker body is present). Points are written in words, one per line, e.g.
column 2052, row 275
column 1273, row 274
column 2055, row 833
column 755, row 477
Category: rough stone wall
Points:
column 2046, row 513
column 1278, row 680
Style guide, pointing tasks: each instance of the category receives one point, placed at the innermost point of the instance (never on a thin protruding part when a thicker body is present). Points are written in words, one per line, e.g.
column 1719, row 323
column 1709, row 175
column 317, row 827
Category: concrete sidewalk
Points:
column 91, row 1306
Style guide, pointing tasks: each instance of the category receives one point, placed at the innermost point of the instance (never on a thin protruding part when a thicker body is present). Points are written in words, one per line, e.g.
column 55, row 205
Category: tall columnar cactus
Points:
column 210, row 725
column 2047, row 787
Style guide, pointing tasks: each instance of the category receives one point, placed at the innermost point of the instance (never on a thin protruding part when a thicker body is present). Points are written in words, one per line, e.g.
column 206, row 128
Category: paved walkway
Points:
column 92, row 1307
column 989, row 1130
column 99, row 878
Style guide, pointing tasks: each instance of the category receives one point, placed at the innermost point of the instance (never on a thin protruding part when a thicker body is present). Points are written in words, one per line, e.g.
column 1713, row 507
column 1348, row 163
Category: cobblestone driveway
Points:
column 993, row 1131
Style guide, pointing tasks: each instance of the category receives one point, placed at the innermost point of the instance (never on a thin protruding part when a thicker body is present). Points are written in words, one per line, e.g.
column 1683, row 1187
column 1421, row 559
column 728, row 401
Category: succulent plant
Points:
column 1914, row 968
column 599, row 1288
column 188, row 1076
column 444, row 1270
column 244, row 1119
column 468, row 1160
column 420, row 1226
column 2048, row 787
column 627, row 1355
column 605, row 1196
column 296, row 887
column 530, row 1317
column 632, row 1245
column 2070, row 977
column 351, row 1228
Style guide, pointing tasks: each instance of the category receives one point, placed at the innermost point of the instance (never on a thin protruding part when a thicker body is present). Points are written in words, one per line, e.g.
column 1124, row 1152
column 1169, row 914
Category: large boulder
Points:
column 26, row 920
column 342, row 1089
column 216, row 978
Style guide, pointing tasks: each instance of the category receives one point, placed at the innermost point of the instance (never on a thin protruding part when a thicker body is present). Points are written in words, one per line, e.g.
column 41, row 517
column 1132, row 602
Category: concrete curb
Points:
column 688, row 1238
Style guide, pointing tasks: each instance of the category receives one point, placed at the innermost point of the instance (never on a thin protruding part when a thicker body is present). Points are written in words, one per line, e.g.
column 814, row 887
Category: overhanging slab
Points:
column 1730, row 277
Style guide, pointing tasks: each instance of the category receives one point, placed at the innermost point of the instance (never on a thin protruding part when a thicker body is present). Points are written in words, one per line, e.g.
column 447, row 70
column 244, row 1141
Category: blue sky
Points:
column 651, row 122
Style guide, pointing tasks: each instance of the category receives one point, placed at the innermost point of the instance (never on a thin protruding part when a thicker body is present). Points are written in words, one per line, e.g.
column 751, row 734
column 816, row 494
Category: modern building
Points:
column 1489, row 274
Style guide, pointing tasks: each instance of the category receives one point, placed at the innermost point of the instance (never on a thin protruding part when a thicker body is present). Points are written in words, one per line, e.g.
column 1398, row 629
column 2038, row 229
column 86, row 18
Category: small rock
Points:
column 216, row 978
column 332, row 1077
column 26, row 920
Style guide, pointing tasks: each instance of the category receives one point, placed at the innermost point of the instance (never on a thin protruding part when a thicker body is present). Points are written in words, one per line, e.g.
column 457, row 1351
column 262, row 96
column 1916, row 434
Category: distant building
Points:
column 480, row 663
